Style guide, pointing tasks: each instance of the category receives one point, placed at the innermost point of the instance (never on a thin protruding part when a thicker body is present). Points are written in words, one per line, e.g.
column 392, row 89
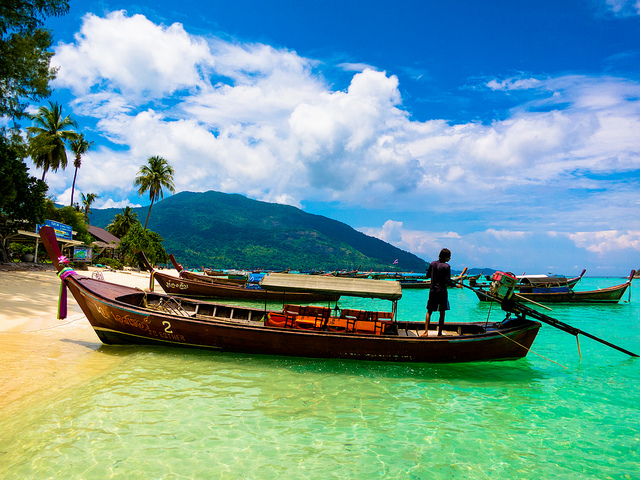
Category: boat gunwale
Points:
column 244, row 324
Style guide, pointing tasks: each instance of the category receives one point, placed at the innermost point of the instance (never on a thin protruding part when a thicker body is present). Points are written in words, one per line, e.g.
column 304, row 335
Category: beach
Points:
column 42, row 356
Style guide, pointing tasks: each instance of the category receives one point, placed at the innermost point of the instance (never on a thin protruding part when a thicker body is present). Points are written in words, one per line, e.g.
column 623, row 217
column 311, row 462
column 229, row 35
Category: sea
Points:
column 161, row 413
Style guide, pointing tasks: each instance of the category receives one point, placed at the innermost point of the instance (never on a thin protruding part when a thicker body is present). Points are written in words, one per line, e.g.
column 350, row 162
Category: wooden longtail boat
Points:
column 602, row 295
column 124, row 315
column 205, row 278
column 415, row 284
column 196, row 288
column 542, row 281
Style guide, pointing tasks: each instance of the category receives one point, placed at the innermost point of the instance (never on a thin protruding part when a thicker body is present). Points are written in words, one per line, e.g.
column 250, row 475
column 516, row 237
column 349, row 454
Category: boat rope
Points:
column 488, row 314
column 62, row 298
column 529, row 350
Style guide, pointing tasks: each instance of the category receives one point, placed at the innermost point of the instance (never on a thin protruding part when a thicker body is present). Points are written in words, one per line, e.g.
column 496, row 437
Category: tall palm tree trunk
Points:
column 148, row 215
column 73, row 186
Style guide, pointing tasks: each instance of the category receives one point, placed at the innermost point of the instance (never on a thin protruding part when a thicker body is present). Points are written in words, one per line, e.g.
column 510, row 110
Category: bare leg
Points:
column 441, row 322
column 426, row 324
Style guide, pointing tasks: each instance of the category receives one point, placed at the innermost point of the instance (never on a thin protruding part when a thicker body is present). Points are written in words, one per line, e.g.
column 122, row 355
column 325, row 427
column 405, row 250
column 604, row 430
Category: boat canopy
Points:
column 347, row 286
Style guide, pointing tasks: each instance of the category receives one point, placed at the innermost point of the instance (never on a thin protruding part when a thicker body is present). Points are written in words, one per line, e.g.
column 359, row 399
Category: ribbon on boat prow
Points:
column 62, row 298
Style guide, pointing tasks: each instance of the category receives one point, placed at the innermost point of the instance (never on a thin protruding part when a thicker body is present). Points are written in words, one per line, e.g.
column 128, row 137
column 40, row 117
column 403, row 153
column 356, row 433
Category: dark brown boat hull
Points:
column 117, row 323
column 604, row 295
column 194, row 288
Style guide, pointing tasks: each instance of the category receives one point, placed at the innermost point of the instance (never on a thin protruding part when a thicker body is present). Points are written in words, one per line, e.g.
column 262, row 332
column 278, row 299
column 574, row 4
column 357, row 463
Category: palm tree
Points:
column 157, row 173
column 48, row 138
column 79, row 147
column 86, row 203
column 122, row 222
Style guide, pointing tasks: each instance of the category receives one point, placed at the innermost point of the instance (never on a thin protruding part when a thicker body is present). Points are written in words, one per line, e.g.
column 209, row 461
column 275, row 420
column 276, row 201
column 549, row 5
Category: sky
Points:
column 508, row 132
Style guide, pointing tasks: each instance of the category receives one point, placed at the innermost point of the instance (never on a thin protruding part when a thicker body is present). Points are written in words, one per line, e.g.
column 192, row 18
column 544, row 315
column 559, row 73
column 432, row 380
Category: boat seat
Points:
column 279, row 320
column 307, row 322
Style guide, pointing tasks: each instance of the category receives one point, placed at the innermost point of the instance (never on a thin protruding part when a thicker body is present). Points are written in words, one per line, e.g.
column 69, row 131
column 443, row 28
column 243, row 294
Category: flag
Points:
column 395, row 262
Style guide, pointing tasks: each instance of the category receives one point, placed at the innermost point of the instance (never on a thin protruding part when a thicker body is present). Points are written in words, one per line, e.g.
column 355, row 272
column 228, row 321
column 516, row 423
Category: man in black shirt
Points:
column 440, row 274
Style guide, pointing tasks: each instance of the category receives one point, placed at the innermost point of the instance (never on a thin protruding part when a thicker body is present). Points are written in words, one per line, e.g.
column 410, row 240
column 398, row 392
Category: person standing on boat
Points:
column 440, row 274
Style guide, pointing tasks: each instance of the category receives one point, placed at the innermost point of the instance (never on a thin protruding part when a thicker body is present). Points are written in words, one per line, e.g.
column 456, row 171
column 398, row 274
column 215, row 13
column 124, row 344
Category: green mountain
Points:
column 220, row 230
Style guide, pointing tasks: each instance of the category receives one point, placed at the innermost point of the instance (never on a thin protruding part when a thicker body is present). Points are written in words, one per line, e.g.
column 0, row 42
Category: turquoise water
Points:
column 184, row 414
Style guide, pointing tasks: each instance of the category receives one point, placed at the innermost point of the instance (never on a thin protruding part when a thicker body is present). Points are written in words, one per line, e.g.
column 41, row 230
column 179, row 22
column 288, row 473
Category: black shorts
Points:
column 438, row 301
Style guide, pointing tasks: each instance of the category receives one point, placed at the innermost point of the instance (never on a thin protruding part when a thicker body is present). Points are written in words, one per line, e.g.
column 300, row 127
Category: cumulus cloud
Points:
column 419, row 242
column 606, row 241
column 131, row 55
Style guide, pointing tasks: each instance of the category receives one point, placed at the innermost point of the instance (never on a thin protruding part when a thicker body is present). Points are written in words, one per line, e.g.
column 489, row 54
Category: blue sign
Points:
column 82, row 254
column 62, row 230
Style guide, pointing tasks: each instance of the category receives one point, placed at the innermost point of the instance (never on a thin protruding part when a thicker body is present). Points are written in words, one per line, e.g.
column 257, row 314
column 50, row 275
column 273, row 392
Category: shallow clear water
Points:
column 178, row 414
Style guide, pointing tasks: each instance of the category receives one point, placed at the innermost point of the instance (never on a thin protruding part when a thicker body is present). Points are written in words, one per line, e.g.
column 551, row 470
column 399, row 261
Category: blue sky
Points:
column 508, row 132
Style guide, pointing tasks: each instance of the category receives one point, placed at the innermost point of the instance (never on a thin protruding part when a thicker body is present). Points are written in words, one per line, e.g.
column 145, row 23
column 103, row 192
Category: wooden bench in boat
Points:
column 318, row 318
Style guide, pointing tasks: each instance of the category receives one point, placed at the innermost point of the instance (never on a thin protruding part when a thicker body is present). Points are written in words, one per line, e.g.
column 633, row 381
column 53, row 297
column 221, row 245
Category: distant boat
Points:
column 217, row 279
column 197, row 288
column 541, row 283
column 601, row 295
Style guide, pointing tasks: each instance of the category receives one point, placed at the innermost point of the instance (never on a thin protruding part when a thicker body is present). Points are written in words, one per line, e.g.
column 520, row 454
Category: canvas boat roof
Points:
column 347, row 286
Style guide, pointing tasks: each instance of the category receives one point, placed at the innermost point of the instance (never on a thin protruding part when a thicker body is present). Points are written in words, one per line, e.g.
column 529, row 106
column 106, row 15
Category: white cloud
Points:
column 514, row 84
column 110, row 203
column 131, row 55
column 606, row 241
column 421, row 243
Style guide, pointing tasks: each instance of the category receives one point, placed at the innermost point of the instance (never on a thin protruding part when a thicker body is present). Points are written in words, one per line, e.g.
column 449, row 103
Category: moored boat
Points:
column 565, row 295
column 197, row 288
column 124, row 315
column 217, row 279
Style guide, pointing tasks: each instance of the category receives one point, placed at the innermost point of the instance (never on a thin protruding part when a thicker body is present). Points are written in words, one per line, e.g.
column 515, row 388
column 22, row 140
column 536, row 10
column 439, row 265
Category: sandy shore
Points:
column 42, row 356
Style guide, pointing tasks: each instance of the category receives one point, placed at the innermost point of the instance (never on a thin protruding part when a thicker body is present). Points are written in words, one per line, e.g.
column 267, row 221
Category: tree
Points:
column 69, row 216
column 86, row 203
column 79, row 147
column 152, row 178
column 24, row 54
column 123, row 222
column 139, row 239
column 48, row 138
column 22, row 196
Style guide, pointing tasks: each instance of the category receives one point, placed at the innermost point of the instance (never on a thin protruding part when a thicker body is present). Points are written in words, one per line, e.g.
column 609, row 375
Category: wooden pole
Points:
column 519, row 308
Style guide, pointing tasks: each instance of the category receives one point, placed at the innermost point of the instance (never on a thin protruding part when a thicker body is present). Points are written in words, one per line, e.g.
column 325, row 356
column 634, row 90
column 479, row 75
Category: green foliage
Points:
column 22, row 197
column 138, row 239
column 49, row 136
column 220, row 230
column 20, row 249
column 110, row 262
column 122, row 222
column 87, row 201
column 24, row 52
column 70, row 216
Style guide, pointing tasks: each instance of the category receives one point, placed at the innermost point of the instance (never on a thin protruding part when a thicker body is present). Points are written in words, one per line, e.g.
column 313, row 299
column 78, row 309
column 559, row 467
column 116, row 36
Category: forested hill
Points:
column 220, row 230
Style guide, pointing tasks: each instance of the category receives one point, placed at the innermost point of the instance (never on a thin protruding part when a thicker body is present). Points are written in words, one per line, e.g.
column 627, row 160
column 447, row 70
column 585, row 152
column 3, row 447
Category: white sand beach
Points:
column 40, row 355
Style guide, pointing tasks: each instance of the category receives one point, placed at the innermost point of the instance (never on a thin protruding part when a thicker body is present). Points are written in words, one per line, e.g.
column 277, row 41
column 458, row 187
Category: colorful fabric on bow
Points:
column 62, row 299
column 153, row 273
